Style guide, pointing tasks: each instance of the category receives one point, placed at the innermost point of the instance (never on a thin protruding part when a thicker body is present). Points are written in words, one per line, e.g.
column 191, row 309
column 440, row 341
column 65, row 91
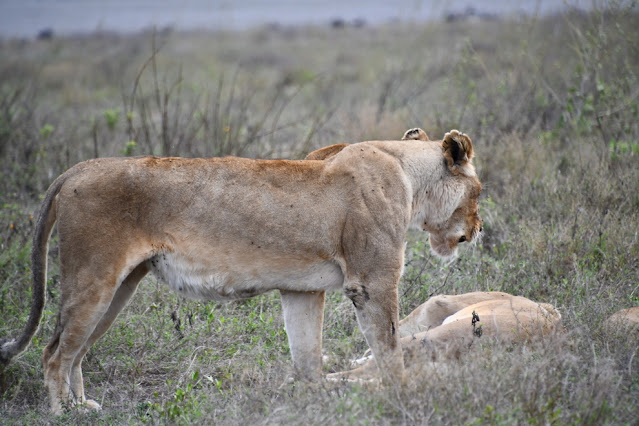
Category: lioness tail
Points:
column 9, row 348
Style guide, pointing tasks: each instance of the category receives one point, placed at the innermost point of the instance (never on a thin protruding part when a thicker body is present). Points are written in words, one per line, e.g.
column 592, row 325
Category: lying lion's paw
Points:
column 371, row 383
column 341, row 377
column 92, row 404
column 360, row 361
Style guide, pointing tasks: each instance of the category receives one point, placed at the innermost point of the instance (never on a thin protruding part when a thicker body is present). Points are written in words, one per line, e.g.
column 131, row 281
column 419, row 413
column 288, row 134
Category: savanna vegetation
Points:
column 552, row 105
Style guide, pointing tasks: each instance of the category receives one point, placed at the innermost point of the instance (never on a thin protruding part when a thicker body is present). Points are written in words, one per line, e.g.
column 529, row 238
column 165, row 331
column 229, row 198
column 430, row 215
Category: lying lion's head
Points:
column 460, row 193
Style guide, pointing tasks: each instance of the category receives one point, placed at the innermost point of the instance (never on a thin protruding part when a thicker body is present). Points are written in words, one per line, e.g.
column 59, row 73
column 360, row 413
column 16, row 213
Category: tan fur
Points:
column 415, row 134
column 443, row 327
column 624, row 322
column 229, row 228
column 327, row 152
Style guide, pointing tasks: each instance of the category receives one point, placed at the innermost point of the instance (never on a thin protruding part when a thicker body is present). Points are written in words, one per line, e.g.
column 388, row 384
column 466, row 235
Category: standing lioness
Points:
column 228, row 228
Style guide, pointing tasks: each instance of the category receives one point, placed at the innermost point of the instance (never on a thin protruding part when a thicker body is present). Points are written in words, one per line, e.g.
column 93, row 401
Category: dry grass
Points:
column 552, row 106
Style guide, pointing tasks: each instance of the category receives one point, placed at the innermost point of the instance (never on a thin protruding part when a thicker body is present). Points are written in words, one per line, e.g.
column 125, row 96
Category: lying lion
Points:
column 446, row 326
column 231, row 228
column 624, row 322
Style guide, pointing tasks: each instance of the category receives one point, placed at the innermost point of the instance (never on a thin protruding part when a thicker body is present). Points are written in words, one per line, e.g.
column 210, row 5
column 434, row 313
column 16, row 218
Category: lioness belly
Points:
column 219, row 280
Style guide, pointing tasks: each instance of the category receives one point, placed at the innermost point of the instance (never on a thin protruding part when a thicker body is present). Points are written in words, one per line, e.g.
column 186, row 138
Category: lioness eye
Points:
column 462, row 238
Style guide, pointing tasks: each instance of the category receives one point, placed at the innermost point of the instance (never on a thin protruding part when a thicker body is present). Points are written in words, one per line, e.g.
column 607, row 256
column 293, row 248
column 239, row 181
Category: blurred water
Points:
column 25, row 18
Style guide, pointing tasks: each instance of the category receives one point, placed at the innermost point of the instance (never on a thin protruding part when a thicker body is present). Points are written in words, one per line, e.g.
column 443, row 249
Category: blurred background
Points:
column 27, row 18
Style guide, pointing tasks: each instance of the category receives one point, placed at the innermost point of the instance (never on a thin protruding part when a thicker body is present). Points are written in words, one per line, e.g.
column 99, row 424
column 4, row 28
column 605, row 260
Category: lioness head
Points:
column 464, row 224
column 455, row 218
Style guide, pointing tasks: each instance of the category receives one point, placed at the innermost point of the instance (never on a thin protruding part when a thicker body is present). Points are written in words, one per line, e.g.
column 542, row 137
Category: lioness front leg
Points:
column 303, row 319
column 376, row 307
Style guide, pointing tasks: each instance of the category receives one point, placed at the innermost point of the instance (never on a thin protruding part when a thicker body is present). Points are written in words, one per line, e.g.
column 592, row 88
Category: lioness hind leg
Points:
column 75, row 324
column 303, row 319
column 85, row 301
column 120, row 300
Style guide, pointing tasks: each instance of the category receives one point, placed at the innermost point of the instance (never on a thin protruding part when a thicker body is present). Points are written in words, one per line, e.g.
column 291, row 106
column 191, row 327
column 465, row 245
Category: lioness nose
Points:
column 462, row 238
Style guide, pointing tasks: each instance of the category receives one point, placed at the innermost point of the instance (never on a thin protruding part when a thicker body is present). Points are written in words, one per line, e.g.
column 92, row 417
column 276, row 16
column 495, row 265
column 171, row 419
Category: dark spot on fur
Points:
column 392, row 328
column 475, row 318
column 358, row 295
column 477, row 331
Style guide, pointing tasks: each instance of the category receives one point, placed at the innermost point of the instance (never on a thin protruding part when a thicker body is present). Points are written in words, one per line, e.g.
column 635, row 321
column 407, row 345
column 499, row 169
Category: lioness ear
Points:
column 415, row 134
column 458, row 148
column 326, row 152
